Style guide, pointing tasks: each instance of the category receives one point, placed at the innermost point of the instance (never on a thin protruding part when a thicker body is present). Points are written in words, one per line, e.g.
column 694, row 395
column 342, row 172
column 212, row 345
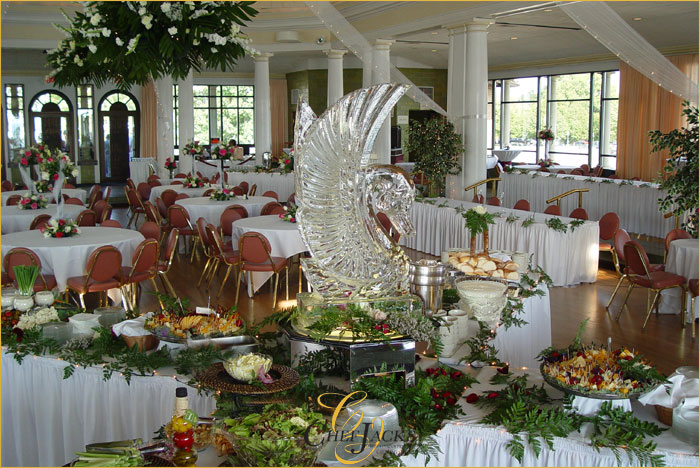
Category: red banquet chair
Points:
column 579, row 213
column 553, row 210
column 86, row 218
column 113, row 223
column 166, row 262
column 522, row 205
column 267, row 209
column 13, row 200
column 493, row 201
column 135, row 205
column 179, row 218
column 223, row 255
column 150, row 230
column 144, row 190
column 608, row 226
column 672, row 235
column 271, row 194
column 168, row 197
column 26, row 257
column 39, row 221
column 103, row 272
column 144, row 266
column 255, row 256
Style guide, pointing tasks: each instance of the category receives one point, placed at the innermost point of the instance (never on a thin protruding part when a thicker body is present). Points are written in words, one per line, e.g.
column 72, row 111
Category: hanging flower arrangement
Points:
column 129, row 43
column 194, row 149
column 33, row 155
column 52, row 164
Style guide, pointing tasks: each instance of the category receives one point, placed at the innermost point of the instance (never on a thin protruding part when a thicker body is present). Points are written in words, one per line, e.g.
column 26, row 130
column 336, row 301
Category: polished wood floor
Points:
column 664, row 341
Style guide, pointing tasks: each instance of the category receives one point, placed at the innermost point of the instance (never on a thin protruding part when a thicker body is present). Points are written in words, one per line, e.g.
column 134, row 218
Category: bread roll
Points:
column 479, row 271
column 488, row 266
column 513, row 275
column 466, row 268
column 497, row 274
column 472, row 261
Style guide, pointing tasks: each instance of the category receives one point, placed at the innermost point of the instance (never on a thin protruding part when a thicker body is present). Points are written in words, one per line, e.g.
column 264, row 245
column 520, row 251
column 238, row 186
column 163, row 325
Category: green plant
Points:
column 437, row 147
column 129, row 43
column 680, row 174
column 25, row 276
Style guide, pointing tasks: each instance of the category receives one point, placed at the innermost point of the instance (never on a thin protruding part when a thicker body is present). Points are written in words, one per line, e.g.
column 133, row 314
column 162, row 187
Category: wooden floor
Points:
column 664, row 341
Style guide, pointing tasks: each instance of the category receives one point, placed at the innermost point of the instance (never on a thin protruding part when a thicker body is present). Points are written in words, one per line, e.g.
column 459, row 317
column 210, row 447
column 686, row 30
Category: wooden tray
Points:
column 216, row 377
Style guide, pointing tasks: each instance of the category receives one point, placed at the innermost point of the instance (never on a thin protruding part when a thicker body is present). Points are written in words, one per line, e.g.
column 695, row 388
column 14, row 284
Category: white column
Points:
column 164, row 122
column 467, row 101
column 335, row 76
column 367, row 69
column 185, row 121
column 263, row 119
column 380, row 74
column 505, row 129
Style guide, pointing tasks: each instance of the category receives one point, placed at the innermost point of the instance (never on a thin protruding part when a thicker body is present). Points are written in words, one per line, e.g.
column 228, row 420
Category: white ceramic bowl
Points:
column 23, row 303
column 44, row 298
column 8, row 299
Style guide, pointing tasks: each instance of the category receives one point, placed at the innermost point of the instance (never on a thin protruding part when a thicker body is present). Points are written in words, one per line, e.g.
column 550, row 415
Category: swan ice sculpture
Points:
column 338, row 194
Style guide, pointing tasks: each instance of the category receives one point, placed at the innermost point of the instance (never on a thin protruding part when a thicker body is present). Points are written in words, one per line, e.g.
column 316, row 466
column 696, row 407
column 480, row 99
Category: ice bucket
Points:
column 427, row 278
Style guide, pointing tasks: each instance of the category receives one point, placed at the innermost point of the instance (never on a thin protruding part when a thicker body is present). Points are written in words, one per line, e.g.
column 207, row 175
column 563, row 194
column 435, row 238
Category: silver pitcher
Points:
column 426, row 279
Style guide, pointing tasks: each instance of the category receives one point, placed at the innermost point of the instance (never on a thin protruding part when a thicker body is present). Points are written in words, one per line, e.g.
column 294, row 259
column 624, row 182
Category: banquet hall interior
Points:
column 156, row 160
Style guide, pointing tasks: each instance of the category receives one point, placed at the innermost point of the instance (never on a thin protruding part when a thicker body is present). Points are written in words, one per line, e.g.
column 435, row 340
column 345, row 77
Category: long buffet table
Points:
column 634, row 202
column 282, row 184
column 569, row 258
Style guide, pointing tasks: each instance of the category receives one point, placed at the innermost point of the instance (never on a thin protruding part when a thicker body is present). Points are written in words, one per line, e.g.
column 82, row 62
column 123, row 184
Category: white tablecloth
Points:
column 682, row 259
column 211, row 210
column 506, row 155
column 466, row 442
column 554, row 169
column 74, row 193
column 634, row 202
column 15, row 220
column 66, row 257
column 282, row 184
column 46, row 419
column 192, row 192
column 138, row 169
column 284, row 238
column 569, row 259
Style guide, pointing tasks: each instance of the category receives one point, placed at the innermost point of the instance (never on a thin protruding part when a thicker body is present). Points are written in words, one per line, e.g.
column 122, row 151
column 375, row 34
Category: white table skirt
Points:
column 74, row 193
column 634, row 202
column 158, row 190
column 65, row 258
column 536, row 167
column 211, row 210
column 569, row 259
column 282, row 184
column 682, row 259
column 284, row 238
column 467, row 443
column 139, row 169
column 15, row 219
column 46, row 419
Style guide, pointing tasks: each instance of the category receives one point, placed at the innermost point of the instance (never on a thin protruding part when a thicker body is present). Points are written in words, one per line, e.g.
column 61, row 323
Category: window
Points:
column 86, row 123
column 224, row 112
column 14, row 117
column 581, row 110
column 51, row 121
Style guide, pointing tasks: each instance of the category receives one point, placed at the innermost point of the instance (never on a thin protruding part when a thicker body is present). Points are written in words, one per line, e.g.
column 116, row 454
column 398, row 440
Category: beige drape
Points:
column 278, row 114
column 645, row 106
column 149, row 127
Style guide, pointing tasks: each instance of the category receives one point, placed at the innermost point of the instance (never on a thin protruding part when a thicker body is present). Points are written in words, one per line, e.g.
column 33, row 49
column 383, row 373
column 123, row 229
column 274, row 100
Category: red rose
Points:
column 24, row 161
column 55, row 177
column 503, row 370
column 287, row 161
column 293, row 220
column 446, row 394
column 493, row 395
column 472, row 397
column 451, row 401
column 50, row 159
column 42, row 229
column 437, row 407
column 27, row 153
column 59, row 234
column 61, row 222
column 39, row 159
column 192, row 151
column 455, row 375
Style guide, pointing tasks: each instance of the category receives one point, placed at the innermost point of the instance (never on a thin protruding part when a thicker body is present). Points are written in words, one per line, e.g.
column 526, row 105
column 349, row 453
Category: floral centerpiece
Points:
column 194, row 149
column 290, row 213
column 288, row 165
column 42, row 316
column 226, row 152
column 43, row 186
column 193, row 182
column 477, row 220
column 32, row 201
column 60, row 228
column 546, row 134
column 223, row 194
column 33, row 155
column 170, row 165
column 51, row 164
column 545, row 162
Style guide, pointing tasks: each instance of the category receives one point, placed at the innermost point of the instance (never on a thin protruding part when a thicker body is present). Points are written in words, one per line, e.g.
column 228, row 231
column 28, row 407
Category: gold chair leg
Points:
column 619, row 283
column 204, row 271
column 616, row 261
column 228, row 272
column 167, row 284
column 683, row 309
column 286, row 282
column 82, row 300
column 274, row 295
column 238, row 285
column 155, row 289
column 692, row 316
column 195, row 243
column 131, row 219
column 656, row 298
column 624, row 304
column 214, row 270
column 300, row 273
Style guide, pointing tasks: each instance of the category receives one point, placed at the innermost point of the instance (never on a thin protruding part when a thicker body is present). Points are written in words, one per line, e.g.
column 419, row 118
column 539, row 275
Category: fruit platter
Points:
column 596, row 372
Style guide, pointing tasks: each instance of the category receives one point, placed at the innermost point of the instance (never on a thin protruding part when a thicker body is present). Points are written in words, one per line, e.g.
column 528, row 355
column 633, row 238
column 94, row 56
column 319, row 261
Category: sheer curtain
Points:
column 646, row 106
column 279, row 113
column 149, row 127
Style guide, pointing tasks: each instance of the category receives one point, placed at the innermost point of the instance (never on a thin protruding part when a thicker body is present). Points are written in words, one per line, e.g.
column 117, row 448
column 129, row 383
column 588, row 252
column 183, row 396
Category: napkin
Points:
column 590, row 406
column 132, row 327
column 671, row 394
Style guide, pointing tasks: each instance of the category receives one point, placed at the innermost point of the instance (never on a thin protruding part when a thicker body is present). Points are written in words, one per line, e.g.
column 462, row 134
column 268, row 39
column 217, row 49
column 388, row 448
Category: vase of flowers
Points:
column 194, row 149
column 547, row 135
column 477, row 220
column 32, row 201
column 51, row 165
column 25, row 275
column 193, row 182
column 288, row 165
column 290, row 214
column 223, row 194
column 59, row 228
column 170, row 165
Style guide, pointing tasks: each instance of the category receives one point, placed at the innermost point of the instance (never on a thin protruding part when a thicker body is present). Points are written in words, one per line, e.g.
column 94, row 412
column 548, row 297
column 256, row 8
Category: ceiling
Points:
column 543, row 34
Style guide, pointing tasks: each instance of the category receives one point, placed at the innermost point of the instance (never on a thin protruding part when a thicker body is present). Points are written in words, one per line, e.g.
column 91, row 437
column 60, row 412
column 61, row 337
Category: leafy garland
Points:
column 557, row 225
column 529, row 221
column 512, row 218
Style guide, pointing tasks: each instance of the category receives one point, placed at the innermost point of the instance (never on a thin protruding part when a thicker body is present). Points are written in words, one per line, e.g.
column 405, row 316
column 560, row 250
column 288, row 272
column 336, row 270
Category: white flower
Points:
column 47, row 234
column 53, row 223
column 118, row 41
column 71, row 44
column 133, row 43
column 146, row 20
column 213, row 50
column 480, row 209
column 378, row 315
column 95, row 19
column 172, row 31
column 44, row 175
column 74, row 172
column 93, row 48
column 195, row 42
column 68, row 228
column 165, row 7
column 78, row 61
column 142, row 11
column 106, row 32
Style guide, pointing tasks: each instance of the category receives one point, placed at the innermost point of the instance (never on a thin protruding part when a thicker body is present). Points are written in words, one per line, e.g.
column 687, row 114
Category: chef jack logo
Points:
column 356, row 439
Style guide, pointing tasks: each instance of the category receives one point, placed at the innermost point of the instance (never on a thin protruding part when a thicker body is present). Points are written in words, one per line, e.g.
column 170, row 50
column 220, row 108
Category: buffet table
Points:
column 569, row 259
column 634, row 202
column 65, row 258
column 211, row 210
column 466, row 442
column 46, row 419
column 140, row 169
column 282, row 184
column 73, row 193
column 15, row 219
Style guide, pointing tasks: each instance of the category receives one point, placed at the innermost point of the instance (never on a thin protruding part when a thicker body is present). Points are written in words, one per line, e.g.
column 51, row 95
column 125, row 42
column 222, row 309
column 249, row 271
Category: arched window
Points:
column 118, row 122
column 51, row 121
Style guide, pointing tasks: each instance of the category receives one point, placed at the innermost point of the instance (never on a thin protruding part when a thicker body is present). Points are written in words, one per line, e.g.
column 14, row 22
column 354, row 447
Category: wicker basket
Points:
column 664, row 414
column 144, row 343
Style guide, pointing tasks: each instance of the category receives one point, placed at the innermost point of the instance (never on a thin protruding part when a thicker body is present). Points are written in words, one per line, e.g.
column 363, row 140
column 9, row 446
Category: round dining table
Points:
column 15, row 219
column 66, row 257
column 158, row 190
column 285, row 240
column 682, row 259
column 73, row 193
column 211, row 210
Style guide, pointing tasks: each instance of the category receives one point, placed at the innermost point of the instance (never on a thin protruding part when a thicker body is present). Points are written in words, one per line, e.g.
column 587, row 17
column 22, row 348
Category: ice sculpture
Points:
column 338, row 194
